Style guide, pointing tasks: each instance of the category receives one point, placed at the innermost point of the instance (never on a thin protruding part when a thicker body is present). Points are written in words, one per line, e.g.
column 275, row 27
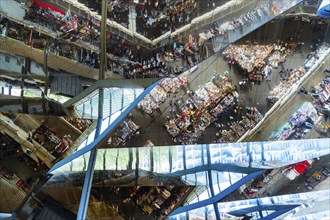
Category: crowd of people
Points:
column 76, row 30
column 41, row 41
column 155, row 17
column 70, row 25
column 73, row 28
column 153, row 67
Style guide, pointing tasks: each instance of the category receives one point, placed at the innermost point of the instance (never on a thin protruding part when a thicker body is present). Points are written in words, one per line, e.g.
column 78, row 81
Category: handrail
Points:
column 108, row 83
column 37, row 151
column 152, row 43
column 198, row 22
column 10, row 45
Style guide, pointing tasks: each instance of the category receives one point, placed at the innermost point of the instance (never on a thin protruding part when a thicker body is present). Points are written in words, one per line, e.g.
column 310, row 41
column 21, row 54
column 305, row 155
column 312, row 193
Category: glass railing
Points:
column 168, row 159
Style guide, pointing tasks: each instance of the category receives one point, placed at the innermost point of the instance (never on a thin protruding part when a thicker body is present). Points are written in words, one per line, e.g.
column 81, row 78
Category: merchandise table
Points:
column 216, row 112
column 172, row 128
column 254, row 114
column 158, row 94
column 199, row 110
column 284, row 87
column 249, row 57
column 277, row 57
column 236, row 130
column 248, row 123
column 148, row 105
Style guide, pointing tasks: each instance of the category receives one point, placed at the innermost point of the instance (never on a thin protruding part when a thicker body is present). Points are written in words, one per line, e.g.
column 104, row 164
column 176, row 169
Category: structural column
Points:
column 84, row 200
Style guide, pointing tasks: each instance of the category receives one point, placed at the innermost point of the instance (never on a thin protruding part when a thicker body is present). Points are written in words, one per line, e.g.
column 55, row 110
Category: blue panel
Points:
column 84, row 200
column 105, row 133
column 278, row 212
column 324, row 10
column 5, row 215
column 217, row 197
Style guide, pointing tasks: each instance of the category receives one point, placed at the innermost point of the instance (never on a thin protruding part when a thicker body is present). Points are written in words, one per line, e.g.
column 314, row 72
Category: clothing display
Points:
column 249, row 57
column 200, row 109
column 160, row 200
column 299, row 124
column 295, row 75
column 285, row 86
column 123, row 133
column 314, row 56
column 80, row 124
column 235, row 24
column 148, row 105
column 158, row 94
column 321, row 95
column 154, row 18
column 52, row 140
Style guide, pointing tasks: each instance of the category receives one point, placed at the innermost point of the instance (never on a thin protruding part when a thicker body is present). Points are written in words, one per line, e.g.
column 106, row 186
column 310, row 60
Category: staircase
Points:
column 10, row 196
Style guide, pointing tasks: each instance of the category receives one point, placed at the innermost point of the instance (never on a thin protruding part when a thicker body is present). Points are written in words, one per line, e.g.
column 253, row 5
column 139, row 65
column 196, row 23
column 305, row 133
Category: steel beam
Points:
column 217, row 197
column 101, row 137
column 278, row 212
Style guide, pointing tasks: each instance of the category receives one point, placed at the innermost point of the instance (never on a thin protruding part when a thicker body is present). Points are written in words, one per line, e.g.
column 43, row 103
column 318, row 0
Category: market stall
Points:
column 299, row 124
column 321, row 94
column 232, row 131
column 158, row 94
column 286, row 85
column 248, row 57
column 123, row 133
column 158, row 200
column 52, row 140
column 148, row 105
column 80, row 124
column 171, row 85
column 200, row 110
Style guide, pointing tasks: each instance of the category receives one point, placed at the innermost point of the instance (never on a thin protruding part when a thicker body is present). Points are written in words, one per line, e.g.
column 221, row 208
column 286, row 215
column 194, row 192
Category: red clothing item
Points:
column 183, row 116
column 301, row 167
column 45, row 5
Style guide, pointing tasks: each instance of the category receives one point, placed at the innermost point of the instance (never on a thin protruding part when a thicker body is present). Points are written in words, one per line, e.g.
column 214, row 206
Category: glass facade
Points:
column 115, row 100
column 264, row 155
column 215, row 168
column 304, row 201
